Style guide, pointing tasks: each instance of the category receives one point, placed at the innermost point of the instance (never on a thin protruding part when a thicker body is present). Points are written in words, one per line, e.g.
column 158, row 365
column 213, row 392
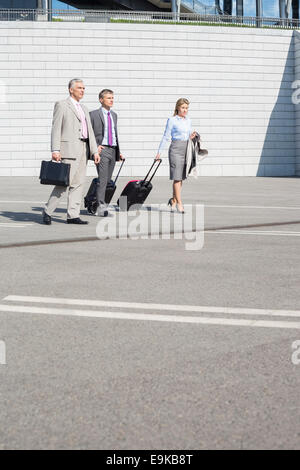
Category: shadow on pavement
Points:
column 28, row 216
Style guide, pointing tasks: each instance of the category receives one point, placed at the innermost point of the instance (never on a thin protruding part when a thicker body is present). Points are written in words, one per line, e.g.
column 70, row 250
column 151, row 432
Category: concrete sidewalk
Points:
column 229, row 203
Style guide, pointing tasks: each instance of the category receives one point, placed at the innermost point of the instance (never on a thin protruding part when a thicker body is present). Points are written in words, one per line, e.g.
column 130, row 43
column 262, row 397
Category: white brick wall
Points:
column 297, row 95
column 238, row 81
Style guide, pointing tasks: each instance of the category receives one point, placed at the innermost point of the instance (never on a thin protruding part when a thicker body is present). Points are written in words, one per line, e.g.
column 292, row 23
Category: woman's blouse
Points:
column 177, row 128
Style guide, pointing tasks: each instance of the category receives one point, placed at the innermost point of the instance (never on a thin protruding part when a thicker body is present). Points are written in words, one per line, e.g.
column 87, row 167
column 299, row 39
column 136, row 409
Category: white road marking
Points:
column 13, row 225
column 150, row 317
column 153, row 306
column 253, row 207
column 28, row 202
column 206, row 205
column 255, row 232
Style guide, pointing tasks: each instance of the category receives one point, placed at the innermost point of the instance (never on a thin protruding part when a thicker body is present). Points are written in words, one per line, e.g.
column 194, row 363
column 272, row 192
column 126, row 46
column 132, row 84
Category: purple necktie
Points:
column 110, row 137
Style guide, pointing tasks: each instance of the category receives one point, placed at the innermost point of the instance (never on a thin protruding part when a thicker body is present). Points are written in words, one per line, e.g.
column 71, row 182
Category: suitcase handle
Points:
column 145, row 179
column 121, row 166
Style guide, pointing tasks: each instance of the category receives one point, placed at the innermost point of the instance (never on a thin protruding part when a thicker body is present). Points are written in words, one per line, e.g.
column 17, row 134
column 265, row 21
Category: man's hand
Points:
column 100, row 149
column 56, row 156
column 121, row 157
column 96, row 158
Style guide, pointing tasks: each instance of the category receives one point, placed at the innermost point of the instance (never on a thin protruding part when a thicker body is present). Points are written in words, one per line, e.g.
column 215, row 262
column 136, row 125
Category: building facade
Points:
column 22, row 4
column 238, row 80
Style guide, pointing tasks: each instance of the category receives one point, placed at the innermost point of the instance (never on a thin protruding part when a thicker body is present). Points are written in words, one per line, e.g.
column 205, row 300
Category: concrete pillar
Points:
column 218, row 7
column 239, row 7
column 50, row 10
column 295, row 9
column 282, row 8
column 258, row 8
column 227, row 7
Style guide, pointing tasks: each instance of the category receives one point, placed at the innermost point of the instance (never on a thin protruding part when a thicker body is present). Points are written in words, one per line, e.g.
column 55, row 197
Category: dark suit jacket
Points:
column 98, row 123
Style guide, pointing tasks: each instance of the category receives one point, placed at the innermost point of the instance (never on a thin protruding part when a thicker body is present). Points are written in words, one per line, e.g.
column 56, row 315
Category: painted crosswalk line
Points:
column 153, row 306
column 153, row 317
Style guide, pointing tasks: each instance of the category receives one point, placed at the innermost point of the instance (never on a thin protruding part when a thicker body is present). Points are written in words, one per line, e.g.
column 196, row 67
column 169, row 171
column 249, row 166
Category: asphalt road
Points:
column 196, row 355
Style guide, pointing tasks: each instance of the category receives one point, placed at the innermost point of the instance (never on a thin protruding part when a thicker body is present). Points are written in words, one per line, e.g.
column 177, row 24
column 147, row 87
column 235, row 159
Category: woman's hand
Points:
column 193, row 135
column 157, row 157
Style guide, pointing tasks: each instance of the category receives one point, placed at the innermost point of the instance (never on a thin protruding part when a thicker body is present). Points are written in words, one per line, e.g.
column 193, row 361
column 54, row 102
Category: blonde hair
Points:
column 179, row 103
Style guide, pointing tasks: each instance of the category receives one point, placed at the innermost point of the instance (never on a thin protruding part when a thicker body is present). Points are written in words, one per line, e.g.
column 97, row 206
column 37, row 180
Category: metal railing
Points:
column 98, row 16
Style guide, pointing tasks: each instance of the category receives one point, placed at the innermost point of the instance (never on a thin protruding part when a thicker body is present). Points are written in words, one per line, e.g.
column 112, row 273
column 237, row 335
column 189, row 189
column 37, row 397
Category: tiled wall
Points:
column 296, row 96
column 237, row 79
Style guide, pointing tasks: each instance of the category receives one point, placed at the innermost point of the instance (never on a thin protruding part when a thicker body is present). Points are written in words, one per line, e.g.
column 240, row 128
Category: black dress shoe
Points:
column 77, row 221
column 46, row 219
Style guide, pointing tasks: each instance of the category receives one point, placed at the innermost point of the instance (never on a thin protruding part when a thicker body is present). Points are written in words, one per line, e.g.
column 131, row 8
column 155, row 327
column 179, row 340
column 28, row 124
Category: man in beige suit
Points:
column 72, row 141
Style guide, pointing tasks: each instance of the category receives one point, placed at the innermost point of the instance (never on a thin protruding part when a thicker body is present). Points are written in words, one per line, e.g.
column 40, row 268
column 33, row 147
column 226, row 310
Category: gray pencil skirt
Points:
column 177, row 151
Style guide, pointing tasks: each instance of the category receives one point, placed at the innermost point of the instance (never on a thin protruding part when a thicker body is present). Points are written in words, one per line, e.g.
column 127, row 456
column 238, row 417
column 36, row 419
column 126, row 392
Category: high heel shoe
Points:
column 170, row 201
column 180, row 211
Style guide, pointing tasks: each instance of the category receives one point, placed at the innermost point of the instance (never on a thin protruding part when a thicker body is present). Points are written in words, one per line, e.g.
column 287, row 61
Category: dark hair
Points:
column 106, row 91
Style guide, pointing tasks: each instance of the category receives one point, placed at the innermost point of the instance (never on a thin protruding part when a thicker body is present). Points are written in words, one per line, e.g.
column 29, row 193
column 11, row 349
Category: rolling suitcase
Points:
column 90, row 200
column 136, row 192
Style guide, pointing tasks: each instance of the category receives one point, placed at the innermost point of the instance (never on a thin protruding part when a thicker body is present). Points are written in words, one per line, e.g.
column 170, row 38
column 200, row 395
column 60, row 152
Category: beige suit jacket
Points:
column 66, row 131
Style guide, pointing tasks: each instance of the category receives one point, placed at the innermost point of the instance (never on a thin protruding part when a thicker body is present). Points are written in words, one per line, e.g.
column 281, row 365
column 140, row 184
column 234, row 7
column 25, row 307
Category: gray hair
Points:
column 73, row 81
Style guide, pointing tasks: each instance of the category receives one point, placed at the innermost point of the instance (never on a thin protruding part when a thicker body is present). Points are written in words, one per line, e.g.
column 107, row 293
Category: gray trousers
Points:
column 77, row 177
column 105, row 170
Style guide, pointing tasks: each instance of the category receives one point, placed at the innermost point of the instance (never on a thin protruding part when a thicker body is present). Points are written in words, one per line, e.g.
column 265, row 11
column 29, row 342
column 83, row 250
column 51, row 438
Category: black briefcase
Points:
column 55, row 173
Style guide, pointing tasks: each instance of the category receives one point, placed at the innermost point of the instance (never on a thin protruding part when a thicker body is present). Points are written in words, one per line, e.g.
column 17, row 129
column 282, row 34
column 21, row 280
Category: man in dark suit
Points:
column 104, row 122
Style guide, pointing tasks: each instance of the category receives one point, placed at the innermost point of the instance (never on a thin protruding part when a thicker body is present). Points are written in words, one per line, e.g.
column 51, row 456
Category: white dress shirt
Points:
column 105, row 138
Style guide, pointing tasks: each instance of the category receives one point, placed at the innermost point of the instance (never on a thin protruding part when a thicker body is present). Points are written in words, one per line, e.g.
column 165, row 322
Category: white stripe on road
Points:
column 28, row 202
column 222, row 231
column 205, row 205
column 209, row 232
column 153, row 307
column 150, row 317
column 13, row 225
column 253, row 207
column 255, row 232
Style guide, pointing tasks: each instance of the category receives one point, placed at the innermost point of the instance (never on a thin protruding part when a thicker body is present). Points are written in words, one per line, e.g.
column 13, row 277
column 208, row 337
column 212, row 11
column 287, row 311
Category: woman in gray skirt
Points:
column 178, row 129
